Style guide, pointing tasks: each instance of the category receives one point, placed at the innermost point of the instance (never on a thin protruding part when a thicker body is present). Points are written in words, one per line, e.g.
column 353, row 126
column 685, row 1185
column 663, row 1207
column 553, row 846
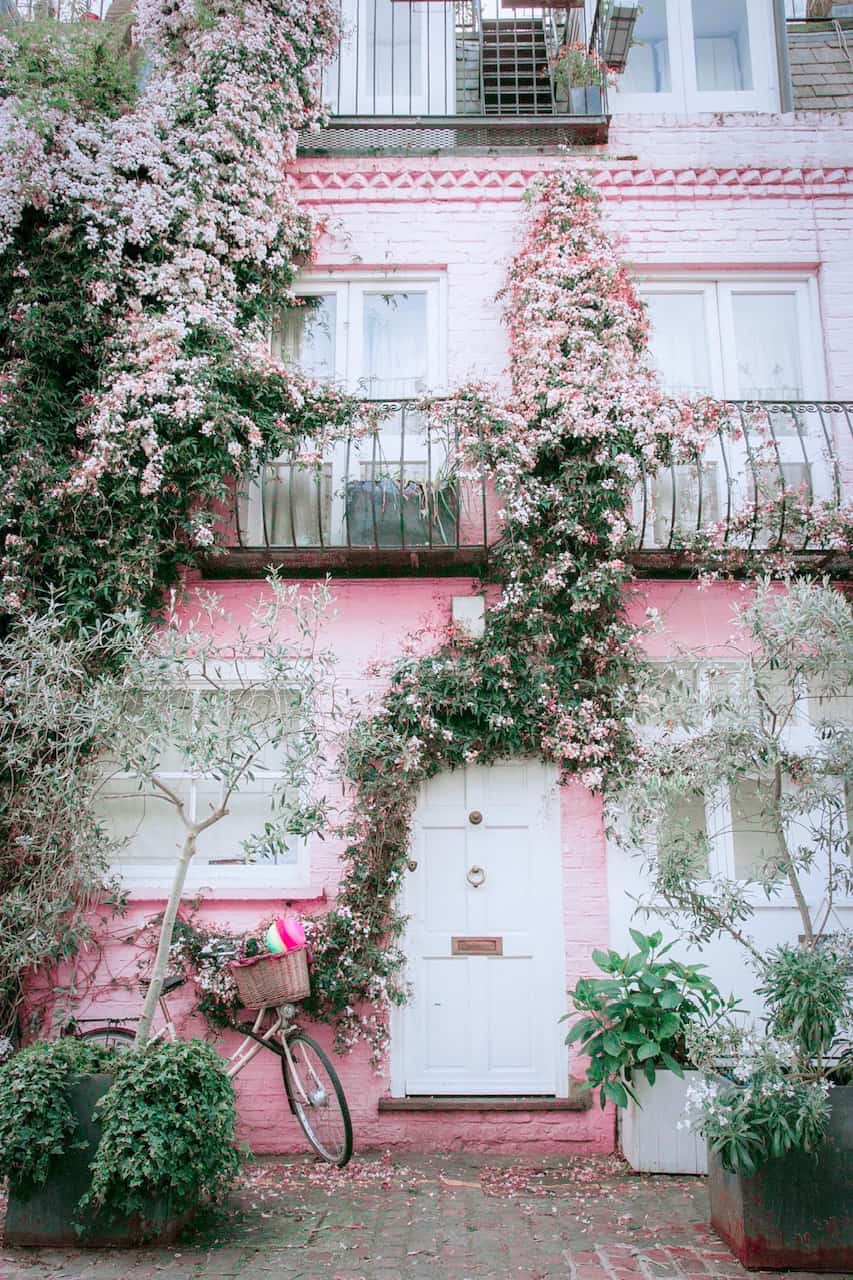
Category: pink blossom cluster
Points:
column 192, row 224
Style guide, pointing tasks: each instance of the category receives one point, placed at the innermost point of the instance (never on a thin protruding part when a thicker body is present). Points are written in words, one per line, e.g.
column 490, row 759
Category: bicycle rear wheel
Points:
column 317, row 1099
column 111, row 1038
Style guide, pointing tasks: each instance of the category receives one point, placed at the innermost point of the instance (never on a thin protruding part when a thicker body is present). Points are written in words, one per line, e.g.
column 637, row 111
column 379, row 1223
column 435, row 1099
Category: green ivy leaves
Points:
column 167, row 1124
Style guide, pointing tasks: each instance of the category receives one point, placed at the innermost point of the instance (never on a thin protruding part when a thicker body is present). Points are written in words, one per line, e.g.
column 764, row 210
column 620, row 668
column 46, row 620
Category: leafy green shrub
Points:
column 167, row 1131
column 766, row 1111
column 769, row 1094
column 638, row 1016
column 808, row 996
column 36, row 1122
column 167, row 1124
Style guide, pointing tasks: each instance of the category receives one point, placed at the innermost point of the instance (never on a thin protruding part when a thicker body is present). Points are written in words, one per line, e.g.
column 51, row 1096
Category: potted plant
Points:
column 765, row 742
column 777, row 1111
column 109, row 1148
column 634, row 1027
column 578, row 75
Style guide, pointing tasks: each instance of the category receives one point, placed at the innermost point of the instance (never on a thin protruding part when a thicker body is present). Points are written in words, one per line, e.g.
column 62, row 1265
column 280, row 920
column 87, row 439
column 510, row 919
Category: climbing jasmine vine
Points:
column 553, row 673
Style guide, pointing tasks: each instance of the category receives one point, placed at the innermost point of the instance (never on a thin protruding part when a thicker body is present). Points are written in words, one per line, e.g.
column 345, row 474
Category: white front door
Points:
column 485, row 937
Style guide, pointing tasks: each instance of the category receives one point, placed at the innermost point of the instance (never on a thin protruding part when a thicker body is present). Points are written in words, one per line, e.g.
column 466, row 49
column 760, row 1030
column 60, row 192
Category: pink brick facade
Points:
column 721, row 195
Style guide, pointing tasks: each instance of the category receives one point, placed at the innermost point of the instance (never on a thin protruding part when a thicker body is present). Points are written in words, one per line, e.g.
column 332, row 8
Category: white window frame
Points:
column 350, row 291
column 718, row 292
column 685, row 97
column 798, row 735
column 244, row 879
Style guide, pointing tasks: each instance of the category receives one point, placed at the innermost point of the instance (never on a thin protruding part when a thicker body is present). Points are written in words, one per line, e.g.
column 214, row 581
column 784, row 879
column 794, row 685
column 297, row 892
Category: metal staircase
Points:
column 516, row 81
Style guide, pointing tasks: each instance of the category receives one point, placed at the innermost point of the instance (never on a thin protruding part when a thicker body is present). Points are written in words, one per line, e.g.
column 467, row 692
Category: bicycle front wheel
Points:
column 111, row 1038
column 317, row 1099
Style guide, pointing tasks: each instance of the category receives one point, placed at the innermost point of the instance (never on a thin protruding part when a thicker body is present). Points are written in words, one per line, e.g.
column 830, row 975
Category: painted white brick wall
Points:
column 474, row 242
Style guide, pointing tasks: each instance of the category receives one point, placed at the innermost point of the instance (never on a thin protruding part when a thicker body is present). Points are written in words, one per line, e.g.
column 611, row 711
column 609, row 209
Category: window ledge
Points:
column 267, row 894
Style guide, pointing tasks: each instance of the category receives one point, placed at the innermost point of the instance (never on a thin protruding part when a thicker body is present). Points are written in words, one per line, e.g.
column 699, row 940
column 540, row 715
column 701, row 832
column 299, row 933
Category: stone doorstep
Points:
column 577, row 1101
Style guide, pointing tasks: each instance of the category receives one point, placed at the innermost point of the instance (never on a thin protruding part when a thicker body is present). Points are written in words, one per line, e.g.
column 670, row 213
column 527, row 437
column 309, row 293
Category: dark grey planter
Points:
column 586, row 102
column 796, row 1213
column 46, row 1217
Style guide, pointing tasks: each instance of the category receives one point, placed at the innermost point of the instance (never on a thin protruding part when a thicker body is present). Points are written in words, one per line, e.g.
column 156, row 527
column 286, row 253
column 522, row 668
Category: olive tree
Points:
column 770, row 729
column 97, row 721
column 761, row 750
column 207, row 698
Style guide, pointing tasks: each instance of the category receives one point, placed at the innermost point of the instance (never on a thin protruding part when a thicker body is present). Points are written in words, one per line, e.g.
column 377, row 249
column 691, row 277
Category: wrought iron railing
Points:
column 394, row 494
column 394, row 487
column 772, row 478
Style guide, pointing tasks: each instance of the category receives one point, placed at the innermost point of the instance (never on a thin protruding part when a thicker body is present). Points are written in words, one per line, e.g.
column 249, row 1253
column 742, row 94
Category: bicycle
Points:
column 314, row 1093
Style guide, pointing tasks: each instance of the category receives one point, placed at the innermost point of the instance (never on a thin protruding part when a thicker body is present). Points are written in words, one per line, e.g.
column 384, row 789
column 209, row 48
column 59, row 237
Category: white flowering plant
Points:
column 766, row 1094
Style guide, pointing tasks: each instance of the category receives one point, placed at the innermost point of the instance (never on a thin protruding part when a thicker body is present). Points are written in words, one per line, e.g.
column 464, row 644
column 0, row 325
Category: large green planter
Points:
column 46, row 1218
column 796, row 1213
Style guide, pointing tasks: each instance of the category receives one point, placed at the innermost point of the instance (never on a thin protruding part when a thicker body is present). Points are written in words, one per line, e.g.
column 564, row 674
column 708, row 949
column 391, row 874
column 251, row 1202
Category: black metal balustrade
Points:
column 435, row 74
column 393, row 500
column 768, row 481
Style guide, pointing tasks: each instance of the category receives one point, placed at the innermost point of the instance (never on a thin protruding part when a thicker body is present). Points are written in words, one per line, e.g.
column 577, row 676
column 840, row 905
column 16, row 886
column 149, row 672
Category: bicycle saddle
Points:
column 170, row 983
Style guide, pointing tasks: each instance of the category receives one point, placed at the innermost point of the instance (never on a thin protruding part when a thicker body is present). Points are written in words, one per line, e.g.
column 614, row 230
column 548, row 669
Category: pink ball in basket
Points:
column 291, row 933
column 285, row 935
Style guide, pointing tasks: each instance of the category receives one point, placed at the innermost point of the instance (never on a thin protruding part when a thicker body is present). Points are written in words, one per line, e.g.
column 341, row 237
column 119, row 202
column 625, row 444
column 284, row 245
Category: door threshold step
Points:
column 579, row 1100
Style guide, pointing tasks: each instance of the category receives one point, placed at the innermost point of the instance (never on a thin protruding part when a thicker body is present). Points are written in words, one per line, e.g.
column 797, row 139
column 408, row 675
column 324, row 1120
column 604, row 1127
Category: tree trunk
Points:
column 161, row 961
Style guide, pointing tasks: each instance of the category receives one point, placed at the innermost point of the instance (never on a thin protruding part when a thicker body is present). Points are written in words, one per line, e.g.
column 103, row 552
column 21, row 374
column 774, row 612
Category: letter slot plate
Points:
column 476, row 946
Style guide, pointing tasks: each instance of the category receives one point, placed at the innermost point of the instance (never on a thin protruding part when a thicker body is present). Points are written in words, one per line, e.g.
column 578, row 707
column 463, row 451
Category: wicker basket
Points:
column 272, row 979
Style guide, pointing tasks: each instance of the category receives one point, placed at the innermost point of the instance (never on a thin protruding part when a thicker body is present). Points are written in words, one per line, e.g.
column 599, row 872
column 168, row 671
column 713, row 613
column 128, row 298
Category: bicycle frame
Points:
column 310, row 1081
column 274, row 1038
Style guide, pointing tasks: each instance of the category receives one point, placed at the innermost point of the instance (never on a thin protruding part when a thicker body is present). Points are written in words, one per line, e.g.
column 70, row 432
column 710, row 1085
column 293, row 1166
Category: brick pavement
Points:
column 429, row 1218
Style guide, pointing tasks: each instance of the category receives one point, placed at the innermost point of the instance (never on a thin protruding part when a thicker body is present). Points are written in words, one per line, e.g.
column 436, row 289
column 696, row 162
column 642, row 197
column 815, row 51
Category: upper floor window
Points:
column 740, row 339
column 394, row 486
column 700, row 55
column 380, row 338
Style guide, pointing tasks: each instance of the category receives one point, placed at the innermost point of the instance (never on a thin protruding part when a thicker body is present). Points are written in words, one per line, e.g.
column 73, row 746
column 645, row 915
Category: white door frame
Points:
column 554, row 997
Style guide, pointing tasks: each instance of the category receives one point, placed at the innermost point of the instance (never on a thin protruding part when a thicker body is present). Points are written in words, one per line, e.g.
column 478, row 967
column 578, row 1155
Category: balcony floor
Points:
column 450, row 562
column 428, row 135
column 349, row 562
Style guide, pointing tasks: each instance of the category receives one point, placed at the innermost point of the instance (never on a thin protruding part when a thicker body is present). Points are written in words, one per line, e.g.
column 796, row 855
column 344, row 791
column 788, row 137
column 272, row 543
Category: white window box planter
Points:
column 649, row 1136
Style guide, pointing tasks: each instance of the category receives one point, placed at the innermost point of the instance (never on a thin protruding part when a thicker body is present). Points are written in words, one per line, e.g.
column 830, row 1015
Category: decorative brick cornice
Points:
column 411, row 184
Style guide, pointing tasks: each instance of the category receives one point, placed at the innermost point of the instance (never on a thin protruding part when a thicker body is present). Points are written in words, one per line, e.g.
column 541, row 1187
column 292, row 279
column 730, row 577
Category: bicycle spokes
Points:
column 317, row 1099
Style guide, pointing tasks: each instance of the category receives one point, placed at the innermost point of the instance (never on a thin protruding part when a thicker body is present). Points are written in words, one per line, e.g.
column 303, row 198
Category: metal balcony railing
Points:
column 771, row 480
column 429, row 74
column 387, row 498
column 392, row 499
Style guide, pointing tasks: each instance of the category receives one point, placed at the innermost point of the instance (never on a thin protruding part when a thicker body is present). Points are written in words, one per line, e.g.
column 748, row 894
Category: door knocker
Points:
column 475, row 877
